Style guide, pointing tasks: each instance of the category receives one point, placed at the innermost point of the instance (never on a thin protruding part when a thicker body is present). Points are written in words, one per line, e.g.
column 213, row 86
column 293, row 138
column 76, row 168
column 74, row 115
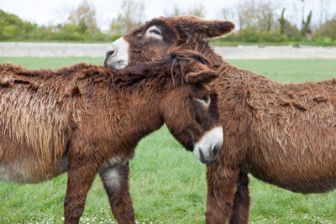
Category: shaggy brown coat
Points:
column 283, row 134
column 86, row 119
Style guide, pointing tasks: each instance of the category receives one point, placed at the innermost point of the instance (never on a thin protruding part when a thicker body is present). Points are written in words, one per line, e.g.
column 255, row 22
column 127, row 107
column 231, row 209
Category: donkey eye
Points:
column 205, row 101
column 154, row 32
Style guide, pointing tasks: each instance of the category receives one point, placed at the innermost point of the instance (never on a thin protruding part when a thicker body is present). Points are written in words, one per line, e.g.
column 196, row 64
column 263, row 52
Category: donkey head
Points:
column 189, row 109
column 152, row 40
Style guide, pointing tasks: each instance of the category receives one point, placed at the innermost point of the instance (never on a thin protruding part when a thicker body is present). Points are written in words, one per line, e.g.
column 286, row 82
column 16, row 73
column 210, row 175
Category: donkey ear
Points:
column 191, row 25
column 205, row 76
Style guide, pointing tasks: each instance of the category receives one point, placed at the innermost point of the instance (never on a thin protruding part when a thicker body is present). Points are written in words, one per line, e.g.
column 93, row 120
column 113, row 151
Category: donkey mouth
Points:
column 208, row 147
column 116, row 64
column 203, row 160
column 117, row 56
column 207, row 159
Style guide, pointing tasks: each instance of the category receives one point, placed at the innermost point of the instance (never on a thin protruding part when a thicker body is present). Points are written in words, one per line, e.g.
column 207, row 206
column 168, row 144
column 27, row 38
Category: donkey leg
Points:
column 115, row 180
column 79, row 182
column 241, row 204
column 222, row 186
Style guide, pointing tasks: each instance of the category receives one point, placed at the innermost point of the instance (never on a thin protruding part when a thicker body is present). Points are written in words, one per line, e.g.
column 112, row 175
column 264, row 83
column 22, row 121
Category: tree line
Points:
column 81, row 26
column 257, row 22
column 262, row 22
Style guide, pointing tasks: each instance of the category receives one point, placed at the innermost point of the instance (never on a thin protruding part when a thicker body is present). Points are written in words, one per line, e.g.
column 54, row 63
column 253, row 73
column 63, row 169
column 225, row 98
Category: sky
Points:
column 48, row 12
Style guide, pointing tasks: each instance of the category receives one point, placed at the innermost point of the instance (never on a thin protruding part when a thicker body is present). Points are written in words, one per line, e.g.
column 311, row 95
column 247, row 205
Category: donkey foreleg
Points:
column 79, row 182
column 222, row 186
column 241, row 204
column 115, row 180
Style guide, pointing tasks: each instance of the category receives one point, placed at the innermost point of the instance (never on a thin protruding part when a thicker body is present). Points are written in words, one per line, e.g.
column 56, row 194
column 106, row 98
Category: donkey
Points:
column 87, row 119
column 283, row 134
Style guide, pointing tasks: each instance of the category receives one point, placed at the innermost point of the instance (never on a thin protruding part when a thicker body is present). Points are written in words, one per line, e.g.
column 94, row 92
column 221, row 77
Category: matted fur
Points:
column 41, row 108
column 284, row 134
column 87, row 119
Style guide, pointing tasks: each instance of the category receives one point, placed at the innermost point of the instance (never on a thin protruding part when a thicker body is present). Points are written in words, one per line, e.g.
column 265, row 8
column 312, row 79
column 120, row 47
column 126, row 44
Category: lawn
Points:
column 168, row 184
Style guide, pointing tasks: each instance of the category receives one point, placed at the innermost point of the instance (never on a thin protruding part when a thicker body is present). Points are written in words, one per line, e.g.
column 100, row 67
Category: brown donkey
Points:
column 86, row 119
column 283, row 134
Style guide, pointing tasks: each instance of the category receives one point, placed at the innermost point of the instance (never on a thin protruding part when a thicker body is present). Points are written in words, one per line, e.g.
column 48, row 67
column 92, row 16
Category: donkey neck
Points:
column 136, row 113
column 144, row 110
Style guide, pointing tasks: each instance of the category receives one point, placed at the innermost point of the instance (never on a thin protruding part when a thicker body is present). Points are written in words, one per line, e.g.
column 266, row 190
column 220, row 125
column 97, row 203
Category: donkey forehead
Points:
column 168, row 32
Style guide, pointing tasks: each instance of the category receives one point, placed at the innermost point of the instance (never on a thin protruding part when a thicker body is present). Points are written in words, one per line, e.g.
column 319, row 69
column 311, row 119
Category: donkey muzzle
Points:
column 117, row 55
column 209, row 145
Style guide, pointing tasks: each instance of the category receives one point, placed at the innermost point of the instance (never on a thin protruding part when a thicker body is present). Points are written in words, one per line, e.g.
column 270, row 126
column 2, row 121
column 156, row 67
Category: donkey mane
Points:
column 128, row 78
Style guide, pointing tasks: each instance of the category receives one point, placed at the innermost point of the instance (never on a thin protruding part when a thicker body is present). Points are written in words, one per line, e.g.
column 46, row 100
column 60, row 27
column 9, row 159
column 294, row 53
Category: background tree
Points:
column 84, row 17
column 246, row 12
column 327, row 30
column 227, row 14
column 287, row 28
column 260, row 15
column 282, row 21
column 197, row 10
column 266, row 15
column 306, row 23
column 259, row 22
column 324, row 11
column 132, row 15
column 14, row 28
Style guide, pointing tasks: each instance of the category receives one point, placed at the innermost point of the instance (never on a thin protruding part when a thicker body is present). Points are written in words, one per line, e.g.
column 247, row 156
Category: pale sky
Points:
column 46, row 12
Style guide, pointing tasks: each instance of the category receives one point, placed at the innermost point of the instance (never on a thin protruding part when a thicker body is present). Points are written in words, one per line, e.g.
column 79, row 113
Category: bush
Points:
column 252, row 35
column 325, row 41
column 12, row 28
column 327, row 30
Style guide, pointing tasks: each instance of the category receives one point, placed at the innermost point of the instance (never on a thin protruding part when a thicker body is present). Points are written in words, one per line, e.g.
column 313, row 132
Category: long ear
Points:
column 205, row 76
column 190, row 26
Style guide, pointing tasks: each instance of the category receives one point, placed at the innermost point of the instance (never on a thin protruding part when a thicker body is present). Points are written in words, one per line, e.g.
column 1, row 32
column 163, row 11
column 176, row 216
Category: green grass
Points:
column 168, row 184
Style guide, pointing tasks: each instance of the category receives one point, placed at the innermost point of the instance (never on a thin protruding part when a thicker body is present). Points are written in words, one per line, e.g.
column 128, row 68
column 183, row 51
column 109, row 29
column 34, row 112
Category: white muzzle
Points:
column 208, row 146
column 117, row 55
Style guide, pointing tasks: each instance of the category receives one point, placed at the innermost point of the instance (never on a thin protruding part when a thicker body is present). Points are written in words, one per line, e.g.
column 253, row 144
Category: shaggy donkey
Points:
column 86, row 119
column 283, row 134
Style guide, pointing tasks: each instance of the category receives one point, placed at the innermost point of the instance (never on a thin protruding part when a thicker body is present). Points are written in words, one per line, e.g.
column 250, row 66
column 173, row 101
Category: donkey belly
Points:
column 21, row 165
column 299, row 156
column 29, row 172
column 318, row 185
column 317, row 178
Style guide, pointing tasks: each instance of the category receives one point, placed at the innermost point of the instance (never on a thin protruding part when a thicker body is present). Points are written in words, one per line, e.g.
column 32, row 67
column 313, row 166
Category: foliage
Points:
column 12, row 27
column 84, row 17
column 259, row 22
column 257, row 14
column 327, row 30
column 282, row 21
column 306, row 29
column 252, row 35
column 130, row 16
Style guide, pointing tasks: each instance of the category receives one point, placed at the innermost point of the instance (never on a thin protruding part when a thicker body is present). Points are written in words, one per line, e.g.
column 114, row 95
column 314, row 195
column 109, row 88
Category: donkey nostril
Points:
column 110, row 53
column 202, row 159
column 216, row 150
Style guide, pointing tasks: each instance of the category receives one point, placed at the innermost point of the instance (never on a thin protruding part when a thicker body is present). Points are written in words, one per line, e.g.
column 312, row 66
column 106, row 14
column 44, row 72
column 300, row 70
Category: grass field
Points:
column 168, row 184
